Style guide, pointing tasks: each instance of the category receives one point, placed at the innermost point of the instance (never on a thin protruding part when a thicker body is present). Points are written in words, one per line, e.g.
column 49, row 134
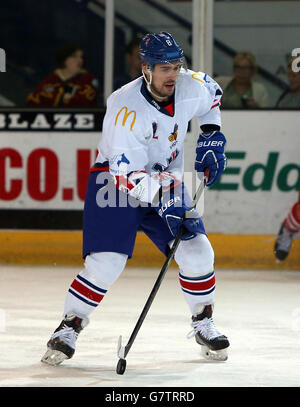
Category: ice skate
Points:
column 61, row 345
column 283, row 243
column 213, row 343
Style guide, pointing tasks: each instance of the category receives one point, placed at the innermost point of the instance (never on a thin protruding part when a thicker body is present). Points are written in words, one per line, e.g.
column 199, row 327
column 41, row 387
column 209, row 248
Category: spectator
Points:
column 70, row 85
column 240, row 91
column 291, row 97
column 133, row 64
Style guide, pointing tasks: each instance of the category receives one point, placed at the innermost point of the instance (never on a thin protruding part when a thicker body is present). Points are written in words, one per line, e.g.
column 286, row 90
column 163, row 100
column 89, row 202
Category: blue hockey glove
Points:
column 210, row 155
column 174, row 208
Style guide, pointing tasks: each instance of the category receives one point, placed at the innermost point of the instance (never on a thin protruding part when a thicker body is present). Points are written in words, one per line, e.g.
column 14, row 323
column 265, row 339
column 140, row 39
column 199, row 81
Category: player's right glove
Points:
column 174, row 208
column 210, row 155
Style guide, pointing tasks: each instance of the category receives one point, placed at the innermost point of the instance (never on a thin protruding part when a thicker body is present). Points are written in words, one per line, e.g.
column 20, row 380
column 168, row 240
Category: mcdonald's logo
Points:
column 126, row 115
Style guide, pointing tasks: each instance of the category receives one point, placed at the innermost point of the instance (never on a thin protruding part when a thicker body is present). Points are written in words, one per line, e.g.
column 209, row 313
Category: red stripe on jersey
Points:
column 86, row 292
column 99, row 169
column 217, row 104
column 292, row 221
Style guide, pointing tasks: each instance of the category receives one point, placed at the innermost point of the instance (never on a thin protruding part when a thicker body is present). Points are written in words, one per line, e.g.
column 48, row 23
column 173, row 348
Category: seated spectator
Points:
column 70, row 85
column 240, row 91
column 291, row 97
column 133, row 64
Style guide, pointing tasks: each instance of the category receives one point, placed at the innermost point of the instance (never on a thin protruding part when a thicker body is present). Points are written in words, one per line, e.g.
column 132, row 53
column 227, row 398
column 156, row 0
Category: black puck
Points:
column 121, row 366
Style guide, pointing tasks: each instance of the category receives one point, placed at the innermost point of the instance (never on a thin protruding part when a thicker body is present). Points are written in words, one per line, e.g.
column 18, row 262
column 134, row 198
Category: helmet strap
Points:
column 148, row 83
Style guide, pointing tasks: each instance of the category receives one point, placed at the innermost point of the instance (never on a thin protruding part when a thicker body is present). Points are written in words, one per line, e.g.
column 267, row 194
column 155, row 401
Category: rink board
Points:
column 45, row 167
column 64, row 248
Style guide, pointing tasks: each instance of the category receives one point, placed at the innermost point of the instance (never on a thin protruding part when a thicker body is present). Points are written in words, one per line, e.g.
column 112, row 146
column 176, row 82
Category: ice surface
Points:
column 259, row 311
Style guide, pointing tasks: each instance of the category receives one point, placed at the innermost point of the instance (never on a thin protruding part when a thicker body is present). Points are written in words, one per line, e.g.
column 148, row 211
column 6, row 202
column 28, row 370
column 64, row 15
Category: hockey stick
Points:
column 123, row 350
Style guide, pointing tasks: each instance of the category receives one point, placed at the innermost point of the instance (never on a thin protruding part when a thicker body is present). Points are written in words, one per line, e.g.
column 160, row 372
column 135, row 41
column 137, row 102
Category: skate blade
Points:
column 53, row 357
column 219, row 355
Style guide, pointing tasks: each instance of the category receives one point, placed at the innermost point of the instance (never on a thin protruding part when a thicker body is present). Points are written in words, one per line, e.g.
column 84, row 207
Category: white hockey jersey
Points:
column 139, row 135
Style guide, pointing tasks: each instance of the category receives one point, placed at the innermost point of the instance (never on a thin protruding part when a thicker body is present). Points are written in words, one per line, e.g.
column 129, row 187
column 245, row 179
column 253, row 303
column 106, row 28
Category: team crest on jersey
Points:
column 174, row 134
column 120, row 159
column 154, row 128
column 123, row 159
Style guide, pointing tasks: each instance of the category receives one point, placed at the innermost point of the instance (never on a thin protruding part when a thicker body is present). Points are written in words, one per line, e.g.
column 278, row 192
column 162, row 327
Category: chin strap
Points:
column 159, row 98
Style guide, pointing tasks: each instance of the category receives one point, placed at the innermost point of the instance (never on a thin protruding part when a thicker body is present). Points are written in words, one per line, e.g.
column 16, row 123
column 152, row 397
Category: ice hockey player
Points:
column 137, row 183
column 288, row 229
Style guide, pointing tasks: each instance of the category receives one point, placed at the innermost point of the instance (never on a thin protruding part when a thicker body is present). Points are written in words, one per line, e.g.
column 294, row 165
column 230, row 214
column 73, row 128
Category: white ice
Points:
column 259, row 311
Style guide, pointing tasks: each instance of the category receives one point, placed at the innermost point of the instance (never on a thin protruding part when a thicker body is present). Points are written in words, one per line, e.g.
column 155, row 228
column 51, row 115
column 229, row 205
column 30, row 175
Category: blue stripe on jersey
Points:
column 94, row 287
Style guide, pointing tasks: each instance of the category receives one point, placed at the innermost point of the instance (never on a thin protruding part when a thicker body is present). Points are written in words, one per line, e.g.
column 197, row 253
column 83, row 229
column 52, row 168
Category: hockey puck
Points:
column 121, row 366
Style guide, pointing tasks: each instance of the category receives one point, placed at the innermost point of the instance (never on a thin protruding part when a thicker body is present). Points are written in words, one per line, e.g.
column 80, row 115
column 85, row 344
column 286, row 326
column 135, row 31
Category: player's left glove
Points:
column 210, row 155
column 174, row 208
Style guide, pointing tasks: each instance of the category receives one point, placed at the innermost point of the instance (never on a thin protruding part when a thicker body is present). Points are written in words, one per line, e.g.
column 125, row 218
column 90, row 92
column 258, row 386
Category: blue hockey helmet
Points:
column 160, row 48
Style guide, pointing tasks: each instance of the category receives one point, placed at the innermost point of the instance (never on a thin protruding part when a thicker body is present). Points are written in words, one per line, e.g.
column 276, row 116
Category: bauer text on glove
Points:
column 175, row 211
column 210, row 155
